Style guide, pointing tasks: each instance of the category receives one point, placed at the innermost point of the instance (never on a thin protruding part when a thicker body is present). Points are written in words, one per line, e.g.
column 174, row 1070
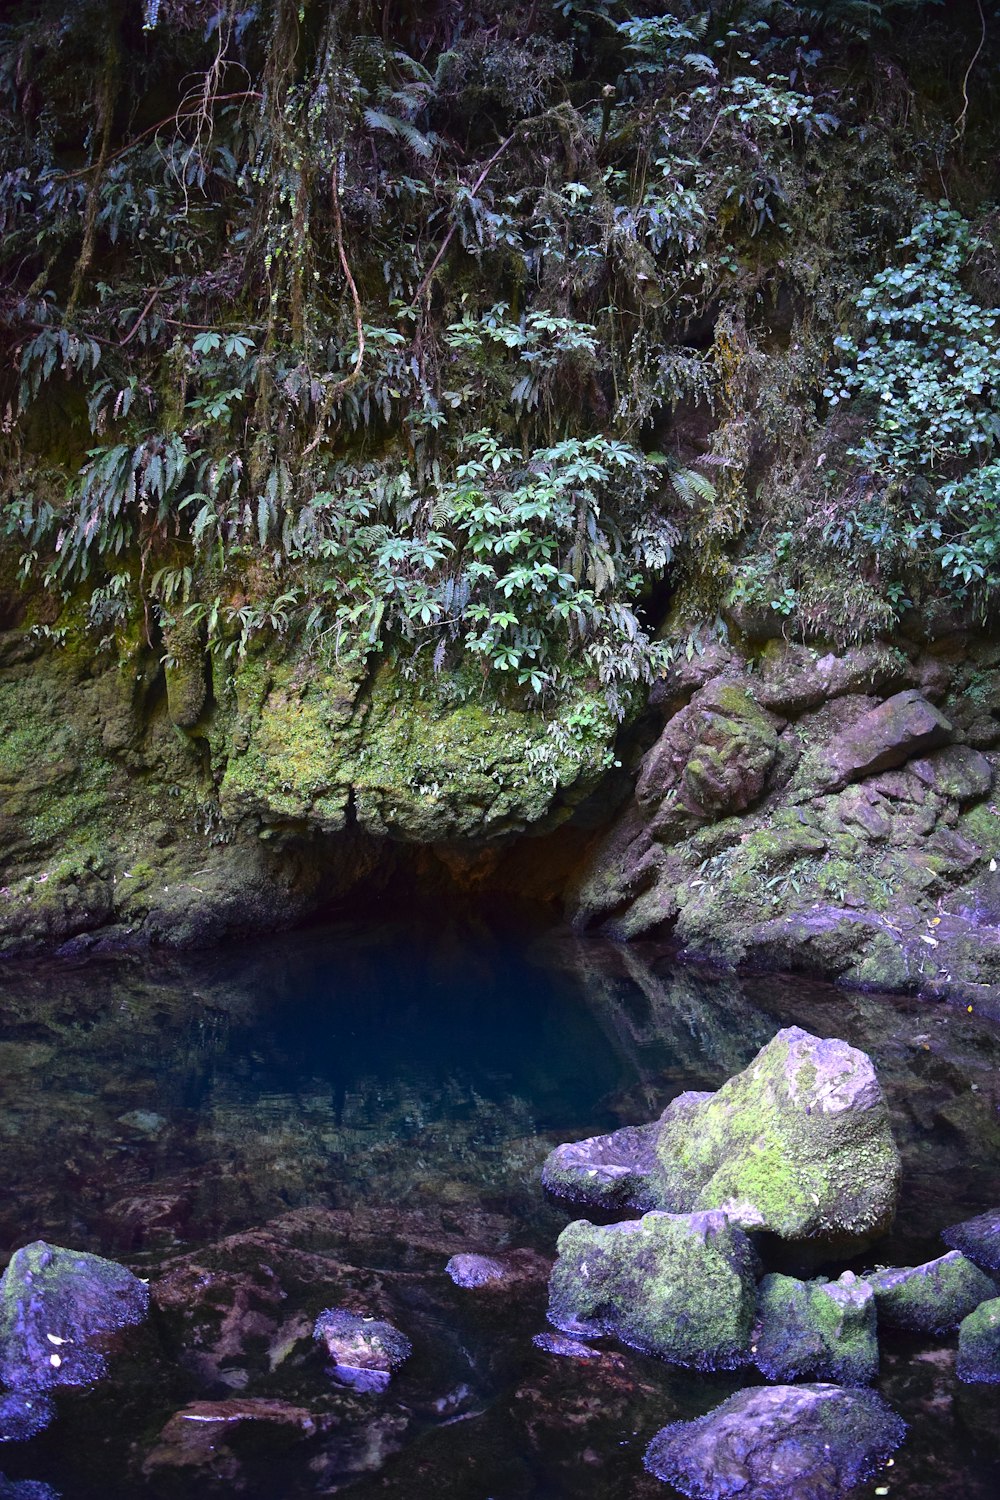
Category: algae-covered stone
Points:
column 979, row 1345
column 816, row 1330
column 930, row 1298
column 677, row 1285
column 785, row 1442
column 366, row 1352
column 978, row 1239
column 798, row 1144
column 56, row 1309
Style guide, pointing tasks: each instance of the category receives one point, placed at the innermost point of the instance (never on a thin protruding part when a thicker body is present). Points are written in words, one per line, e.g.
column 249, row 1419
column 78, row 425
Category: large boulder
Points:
column 798, row 1144
column 886, row 736
column 816, row 1330
column 979, row 1344
column 57, row 1310
column 680, row 1286
column 978, row 1239
column 784, row 1442
column 931, row 1298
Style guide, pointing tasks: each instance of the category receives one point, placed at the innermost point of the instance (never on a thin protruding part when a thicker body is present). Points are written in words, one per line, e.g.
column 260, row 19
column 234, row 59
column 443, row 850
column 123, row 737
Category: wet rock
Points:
column 931, row 1298
column 199, row 1436
column 978, row 1238
column 57, row 1309
column 979, row 1345
column 565, row 1348
column 608, row 1172
column 798, row 1144
column 26, row 1489
column 508, row 1269
column 680, row 1286
column 366, row 1352
column 807, row 1442
column 816, row 1330
column 885, row 737
column 22, row 1416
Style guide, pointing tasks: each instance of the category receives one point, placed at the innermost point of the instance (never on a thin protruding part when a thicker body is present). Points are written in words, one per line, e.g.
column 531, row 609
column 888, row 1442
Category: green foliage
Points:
column 927, row 375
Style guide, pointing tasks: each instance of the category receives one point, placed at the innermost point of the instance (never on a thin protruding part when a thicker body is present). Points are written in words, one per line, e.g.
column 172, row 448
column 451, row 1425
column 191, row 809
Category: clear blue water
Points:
column 322, row 1119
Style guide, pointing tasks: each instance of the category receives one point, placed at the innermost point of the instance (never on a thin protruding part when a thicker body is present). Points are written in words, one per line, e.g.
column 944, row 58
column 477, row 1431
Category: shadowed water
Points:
column 324, row 1119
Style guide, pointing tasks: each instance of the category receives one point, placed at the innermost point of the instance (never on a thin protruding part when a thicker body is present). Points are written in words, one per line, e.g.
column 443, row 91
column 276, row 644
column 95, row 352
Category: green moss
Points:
column 816, row 1330
column 678, row 1286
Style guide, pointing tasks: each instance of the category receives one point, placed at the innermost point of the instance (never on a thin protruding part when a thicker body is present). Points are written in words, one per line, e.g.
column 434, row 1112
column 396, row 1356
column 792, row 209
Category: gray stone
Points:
column 978, row 1238
column 887, row 736
column 680, row 1286
column 607, row 1172
column 958, row 772
column 931, row 1298
column 785, row 1442
column 816, row 1330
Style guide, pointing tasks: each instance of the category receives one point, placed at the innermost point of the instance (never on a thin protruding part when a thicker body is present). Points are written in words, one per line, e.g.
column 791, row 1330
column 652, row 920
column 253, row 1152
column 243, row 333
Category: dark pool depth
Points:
column 324, row 1118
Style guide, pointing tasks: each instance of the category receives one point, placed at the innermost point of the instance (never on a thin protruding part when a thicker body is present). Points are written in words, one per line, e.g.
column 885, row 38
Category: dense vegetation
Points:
column 499, row 333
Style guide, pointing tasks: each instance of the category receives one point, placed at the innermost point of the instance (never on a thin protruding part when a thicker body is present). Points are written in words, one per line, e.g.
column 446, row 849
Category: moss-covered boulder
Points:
column 816, row 1330
column 785, row 1442
column 798, row 1144
column 979, row 1345
column 58, row 1308
column 931, row 1298
column 712, row 759
column 680, row 1286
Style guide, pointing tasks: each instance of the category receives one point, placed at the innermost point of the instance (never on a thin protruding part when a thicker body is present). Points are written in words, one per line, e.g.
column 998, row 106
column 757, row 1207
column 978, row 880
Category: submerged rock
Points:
column 680, row 1286
column 978, row 1238
column 805, row 1442
column 979, row 1345
column 798, row 1144
column 931, row 1298
column 565, row 1348
column 508, row 1269
column 198, row 1436
column 57, row 1308
column 817, row 1330
column 366, row 1352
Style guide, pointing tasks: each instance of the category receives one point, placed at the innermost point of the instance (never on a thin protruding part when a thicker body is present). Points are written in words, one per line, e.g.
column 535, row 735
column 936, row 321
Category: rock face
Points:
column 931, row 1298
column 798, row 1144
column 852, row 839
column 365, row 1351
column 816, row 1330
column 57, row 1309
column 808, row 1442
column 677, row 1285
column 978, row 1239
column 979, row 1345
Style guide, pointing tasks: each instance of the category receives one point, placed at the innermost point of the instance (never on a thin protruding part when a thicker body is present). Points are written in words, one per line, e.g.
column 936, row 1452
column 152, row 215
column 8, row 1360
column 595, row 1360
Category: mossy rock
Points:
column 798, row 1144
column 979, row 1345
column 816, row 1330
column 680, row 1286
column 931, row 1298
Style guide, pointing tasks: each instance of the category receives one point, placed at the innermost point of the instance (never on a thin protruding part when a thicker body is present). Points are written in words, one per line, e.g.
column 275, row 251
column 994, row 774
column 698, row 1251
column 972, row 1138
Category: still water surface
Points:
column 323, row 1119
